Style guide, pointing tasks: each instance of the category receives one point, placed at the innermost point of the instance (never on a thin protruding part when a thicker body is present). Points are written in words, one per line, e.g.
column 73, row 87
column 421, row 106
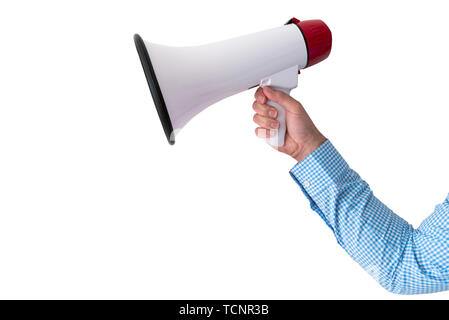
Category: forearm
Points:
column 384, row 244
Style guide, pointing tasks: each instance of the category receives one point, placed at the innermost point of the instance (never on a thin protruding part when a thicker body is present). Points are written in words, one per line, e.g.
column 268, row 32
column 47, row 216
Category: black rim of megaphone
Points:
column 156, row 92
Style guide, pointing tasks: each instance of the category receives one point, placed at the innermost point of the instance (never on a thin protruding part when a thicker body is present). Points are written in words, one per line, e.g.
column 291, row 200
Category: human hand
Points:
column 301, row 138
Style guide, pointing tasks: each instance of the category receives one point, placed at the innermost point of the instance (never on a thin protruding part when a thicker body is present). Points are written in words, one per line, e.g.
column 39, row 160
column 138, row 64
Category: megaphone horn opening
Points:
column 156, row 92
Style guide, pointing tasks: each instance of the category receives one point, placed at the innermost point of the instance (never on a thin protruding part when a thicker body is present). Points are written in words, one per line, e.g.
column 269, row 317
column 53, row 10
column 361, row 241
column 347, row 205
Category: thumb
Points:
column 282, row 99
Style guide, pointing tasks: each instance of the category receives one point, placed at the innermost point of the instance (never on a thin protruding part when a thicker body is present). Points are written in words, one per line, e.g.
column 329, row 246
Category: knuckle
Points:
column 256, row 118
column 269, row 123
column 261, row 120
column 254, row 105
column 259, row 107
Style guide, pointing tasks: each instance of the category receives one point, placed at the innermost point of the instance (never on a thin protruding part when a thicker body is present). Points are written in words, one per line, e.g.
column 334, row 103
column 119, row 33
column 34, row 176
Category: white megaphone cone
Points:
column 186, row 80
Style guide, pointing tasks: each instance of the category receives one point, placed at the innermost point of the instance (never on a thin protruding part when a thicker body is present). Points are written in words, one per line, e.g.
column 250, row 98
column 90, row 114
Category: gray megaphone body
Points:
column 185, row 80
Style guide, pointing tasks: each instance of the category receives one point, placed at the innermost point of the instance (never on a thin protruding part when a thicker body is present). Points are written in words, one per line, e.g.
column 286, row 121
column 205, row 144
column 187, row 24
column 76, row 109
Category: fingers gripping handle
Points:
column 285, row 81
column 279, row 136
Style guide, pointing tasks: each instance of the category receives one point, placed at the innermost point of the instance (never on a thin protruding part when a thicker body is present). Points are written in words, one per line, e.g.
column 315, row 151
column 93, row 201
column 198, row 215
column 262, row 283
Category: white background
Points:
column 95, row 204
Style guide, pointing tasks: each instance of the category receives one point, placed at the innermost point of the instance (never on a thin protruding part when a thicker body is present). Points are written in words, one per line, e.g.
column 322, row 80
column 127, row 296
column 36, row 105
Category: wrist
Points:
column 308, row 147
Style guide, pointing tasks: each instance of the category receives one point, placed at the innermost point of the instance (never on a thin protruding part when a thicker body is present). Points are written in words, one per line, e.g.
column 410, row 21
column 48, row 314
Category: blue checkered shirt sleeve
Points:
column 402, row 259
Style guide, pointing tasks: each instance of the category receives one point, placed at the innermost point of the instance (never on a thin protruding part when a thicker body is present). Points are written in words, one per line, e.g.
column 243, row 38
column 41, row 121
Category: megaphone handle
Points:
column 279, row 137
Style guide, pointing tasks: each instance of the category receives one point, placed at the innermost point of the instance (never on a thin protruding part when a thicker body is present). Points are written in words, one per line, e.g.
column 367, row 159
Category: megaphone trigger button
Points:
column 265, row 82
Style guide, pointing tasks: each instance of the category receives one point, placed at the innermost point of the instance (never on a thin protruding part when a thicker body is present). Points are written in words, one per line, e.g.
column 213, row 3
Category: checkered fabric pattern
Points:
column 402, row 259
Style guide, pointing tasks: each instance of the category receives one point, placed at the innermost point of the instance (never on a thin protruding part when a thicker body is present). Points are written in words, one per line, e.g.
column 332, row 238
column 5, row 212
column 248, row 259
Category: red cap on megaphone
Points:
column 318, row 39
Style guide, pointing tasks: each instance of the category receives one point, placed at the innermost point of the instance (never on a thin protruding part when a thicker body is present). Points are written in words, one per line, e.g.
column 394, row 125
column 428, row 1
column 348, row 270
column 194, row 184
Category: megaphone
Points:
column 185, row 80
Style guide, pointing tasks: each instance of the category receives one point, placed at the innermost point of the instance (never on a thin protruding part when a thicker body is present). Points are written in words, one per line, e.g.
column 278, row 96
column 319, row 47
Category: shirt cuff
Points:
column 319, row 170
